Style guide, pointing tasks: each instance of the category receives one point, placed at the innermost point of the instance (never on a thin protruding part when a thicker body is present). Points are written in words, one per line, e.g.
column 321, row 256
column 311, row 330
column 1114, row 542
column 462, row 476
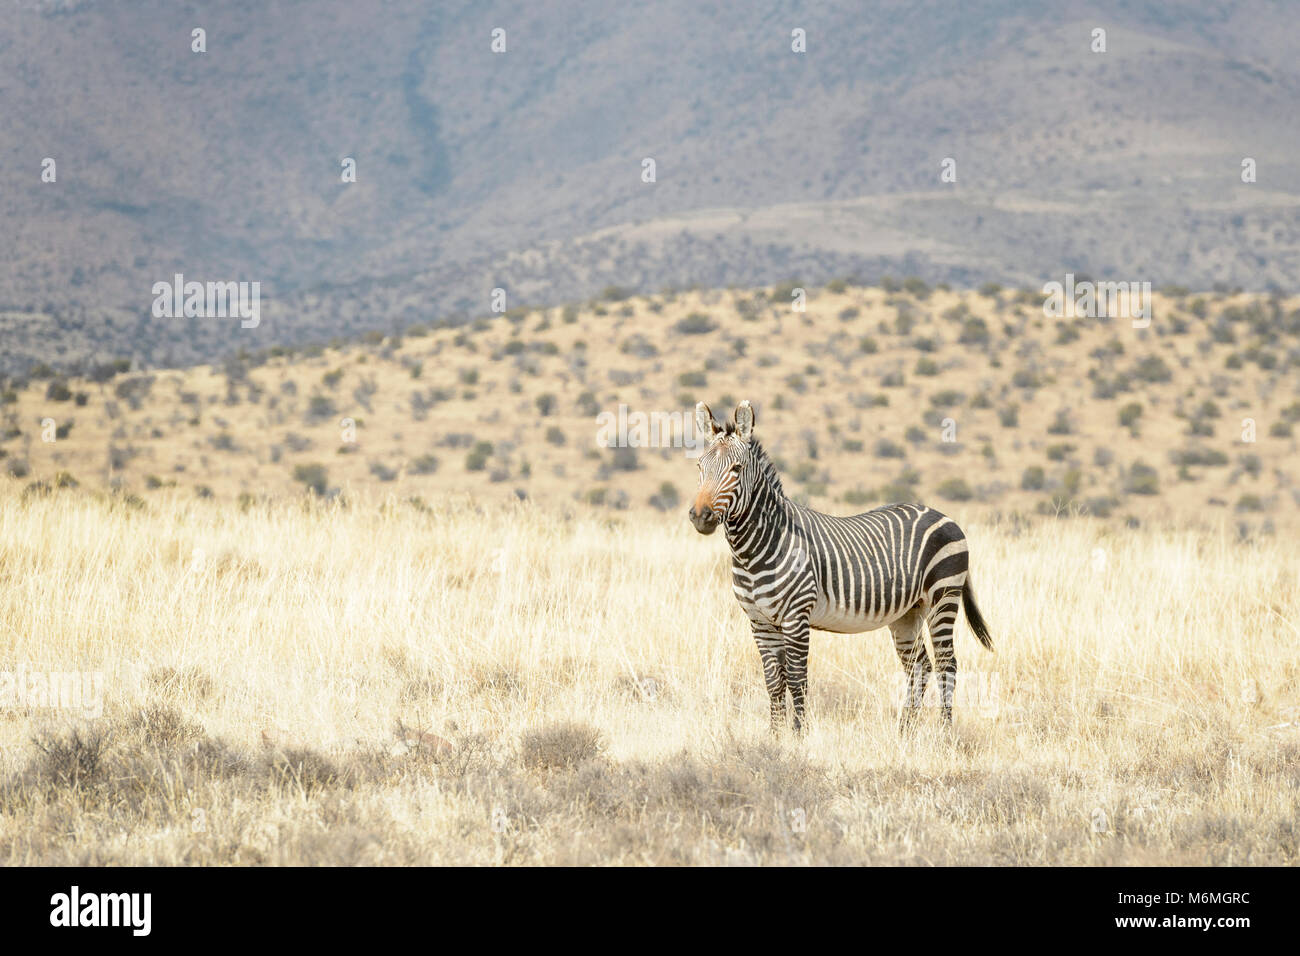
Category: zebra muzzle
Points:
column 705, row 521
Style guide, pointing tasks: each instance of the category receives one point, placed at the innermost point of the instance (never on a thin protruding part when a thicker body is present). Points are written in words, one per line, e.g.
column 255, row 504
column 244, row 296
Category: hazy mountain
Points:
column 523, row 169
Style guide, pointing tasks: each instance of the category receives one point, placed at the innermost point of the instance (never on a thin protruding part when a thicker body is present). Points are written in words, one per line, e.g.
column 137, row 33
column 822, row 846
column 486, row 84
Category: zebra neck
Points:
column 752, row 531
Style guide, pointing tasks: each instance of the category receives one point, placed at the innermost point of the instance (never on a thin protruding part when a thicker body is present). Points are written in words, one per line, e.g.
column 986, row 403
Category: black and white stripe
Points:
column 904, row 566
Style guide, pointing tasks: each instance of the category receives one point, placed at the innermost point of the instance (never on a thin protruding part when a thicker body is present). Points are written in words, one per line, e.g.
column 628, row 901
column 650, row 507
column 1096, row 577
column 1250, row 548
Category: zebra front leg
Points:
column 941, row 619
column 909, row 644
column 796, row 668
column 771, row 651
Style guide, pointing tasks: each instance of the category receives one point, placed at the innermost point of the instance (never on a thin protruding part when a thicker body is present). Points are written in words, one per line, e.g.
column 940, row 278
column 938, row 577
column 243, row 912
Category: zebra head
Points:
column 726, row 471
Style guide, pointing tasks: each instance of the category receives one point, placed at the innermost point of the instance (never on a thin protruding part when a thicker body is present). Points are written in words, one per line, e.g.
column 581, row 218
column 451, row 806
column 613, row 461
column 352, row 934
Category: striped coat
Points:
column 902, row 566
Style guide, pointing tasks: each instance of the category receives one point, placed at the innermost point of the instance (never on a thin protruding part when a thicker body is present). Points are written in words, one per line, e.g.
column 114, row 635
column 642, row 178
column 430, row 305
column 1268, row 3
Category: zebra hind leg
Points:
column 909, row 644
column 771, row 651
column 941, row 619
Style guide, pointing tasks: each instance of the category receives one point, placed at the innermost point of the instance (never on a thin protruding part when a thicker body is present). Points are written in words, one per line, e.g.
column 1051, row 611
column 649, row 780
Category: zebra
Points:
column 904, row 566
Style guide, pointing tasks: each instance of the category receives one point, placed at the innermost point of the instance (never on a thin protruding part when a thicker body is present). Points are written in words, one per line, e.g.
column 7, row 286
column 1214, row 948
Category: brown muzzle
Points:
column 702, row 516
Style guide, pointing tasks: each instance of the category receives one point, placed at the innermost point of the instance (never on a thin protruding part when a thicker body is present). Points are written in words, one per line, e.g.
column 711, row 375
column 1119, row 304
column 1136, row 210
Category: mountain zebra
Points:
column 905, row 566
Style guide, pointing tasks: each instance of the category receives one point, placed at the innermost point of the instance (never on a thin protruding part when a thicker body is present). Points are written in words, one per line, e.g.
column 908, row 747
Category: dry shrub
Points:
column 164, row 726
column 560, row 746
column 190, row 682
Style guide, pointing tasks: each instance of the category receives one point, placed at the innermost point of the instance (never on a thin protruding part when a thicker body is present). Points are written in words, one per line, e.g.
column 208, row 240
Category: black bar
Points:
column 228, row 905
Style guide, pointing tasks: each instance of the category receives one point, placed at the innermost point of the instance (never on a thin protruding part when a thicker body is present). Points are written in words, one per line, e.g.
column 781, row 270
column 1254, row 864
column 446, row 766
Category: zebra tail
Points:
column 973, row 616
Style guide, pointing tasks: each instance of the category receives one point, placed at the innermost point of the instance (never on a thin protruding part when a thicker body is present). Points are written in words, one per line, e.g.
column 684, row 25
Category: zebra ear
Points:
column 704, row 422
column 745, row 420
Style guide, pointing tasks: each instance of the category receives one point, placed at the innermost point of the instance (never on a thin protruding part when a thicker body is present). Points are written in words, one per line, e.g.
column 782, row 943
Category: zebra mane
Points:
column 765, row 467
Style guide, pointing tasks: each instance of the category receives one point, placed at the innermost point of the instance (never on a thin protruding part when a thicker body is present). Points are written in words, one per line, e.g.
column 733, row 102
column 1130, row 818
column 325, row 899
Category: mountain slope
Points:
column 521, row 170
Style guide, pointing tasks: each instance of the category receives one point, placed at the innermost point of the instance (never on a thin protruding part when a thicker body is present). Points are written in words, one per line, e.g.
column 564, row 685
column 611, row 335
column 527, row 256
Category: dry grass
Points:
column 605, row 703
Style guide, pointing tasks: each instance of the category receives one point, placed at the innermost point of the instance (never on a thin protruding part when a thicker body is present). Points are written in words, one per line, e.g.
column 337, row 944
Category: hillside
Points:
column 521, row 170
column 971, row 401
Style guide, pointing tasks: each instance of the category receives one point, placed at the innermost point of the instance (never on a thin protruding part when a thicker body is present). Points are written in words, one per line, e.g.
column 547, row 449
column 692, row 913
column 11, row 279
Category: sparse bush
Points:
column 58, row 391
column 955, row 489
column 974, row 331
column 667, row 497
column 1198, row 457
column 1059, row 452
column 639, row 346
column 320, row 407
column 1142, row 479
column 69, row 761
column 901, row 488
column 315, row 477
column 1152, row 369
column 477, row 458
column 916, row 286
column 1060, row 424
column 785, row 291
column 697, row 323
column 560, row 746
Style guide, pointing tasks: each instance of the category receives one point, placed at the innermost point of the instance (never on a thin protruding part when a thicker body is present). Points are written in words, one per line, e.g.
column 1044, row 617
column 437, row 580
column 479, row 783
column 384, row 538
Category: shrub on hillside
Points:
column 313, row 476
column 697, row 323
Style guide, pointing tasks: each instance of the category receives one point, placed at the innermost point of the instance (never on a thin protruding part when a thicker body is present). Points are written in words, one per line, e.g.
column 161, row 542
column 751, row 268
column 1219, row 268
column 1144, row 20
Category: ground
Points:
column 374, row 681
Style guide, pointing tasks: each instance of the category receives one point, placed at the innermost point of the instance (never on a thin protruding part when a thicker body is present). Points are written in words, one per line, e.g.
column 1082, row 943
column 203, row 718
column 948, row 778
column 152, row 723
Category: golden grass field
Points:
column 590, row 694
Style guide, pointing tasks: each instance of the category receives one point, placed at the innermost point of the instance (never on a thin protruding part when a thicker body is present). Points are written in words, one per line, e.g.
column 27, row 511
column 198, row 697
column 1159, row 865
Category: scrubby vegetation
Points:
column 973, row 395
